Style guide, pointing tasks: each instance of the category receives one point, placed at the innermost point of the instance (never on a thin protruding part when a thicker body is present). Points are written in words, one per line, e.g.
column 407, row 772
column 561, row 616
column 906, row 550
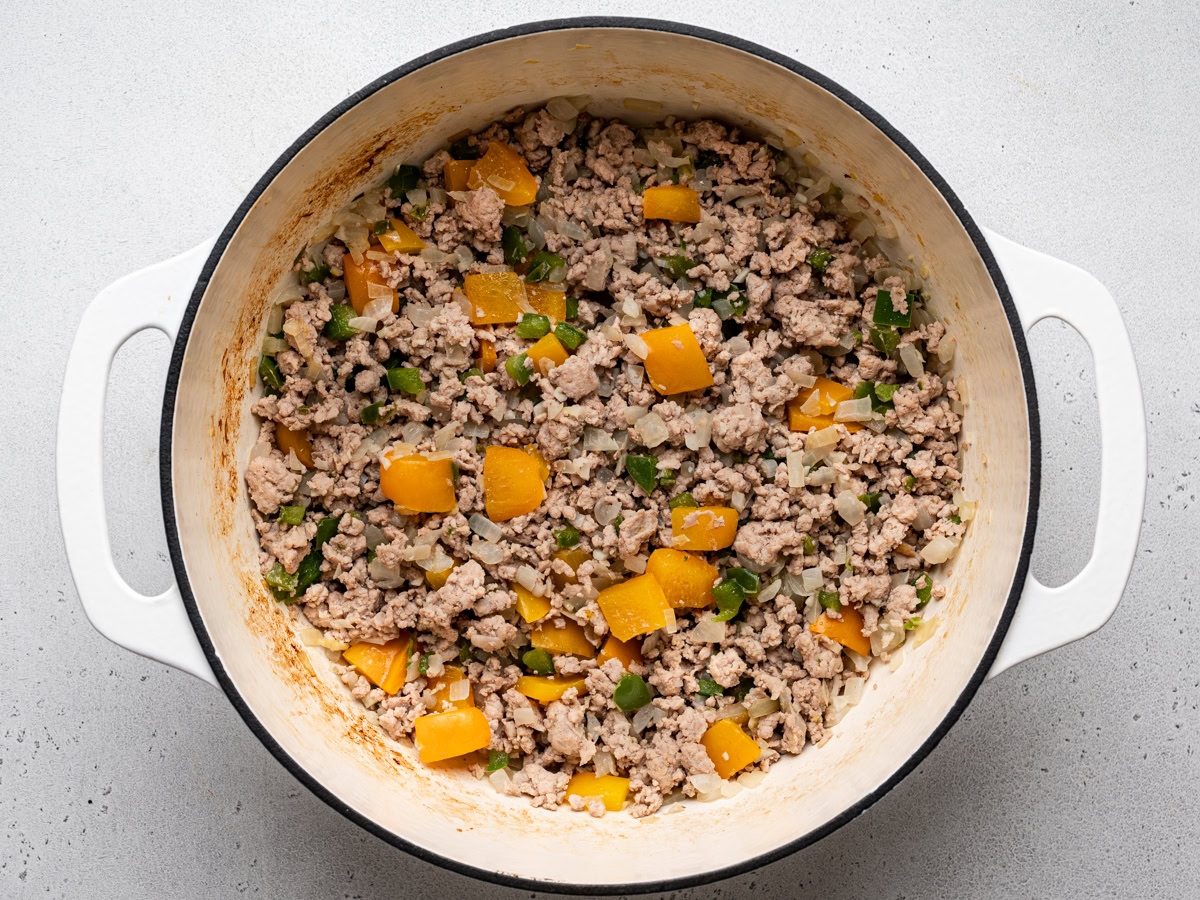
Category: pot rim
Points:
column 664, row 884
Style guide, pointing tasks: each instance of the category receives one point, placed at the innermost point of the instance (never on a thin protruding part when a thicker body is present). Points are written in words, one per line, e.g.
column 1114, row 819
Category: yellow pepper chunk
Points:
column 547, row 353
column 570, row 638
column 543, row 466
column 633, row 607
column 545, row 688
column 400, row 237
column 674, row 361
column 686, row 579
column 573, row 558
column 529, row 607
column 547, row 302
column 448, row 734
column 495, row 297
column 441, row 690
column 384, row 665
column 703, row 527
column 829, row 395
column 487, row 357
column 512, row 483
column 457, row 172
column 438, row 578
column 612, row 789
column 358, row 276
column 504, row 170
column 417, row 483
column 847, row 631
column 729, row 748
column 675, row 202
column 296, row 441
column 628, row 652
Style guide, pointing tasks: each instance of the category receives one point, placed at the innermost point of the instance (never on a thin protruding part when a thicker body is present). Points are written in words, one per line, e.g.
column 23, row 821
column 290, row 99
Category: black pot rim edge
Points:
column 666, row 884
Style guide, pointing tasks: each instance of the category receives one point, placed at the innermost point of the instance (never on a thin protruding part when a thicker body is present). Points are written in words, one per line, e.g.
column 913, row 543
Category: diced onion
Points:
column 419, row 314
column 939, row 550
column 707, row 631
column 604, row 763
column 825, row 437
column 812, row 579
column 701, row 433
column 763, row 707
column 273, row 345
column 650, row 430
column 485, row 528
column 363, row 323
column 384, row 576
column 487, row 553
column 527, row 577
column 459, row 690
column 751, row 779
column 795, row 468
column 925, row 631
column 853, row 410
column 646, row 716
column 705, row 782
column 850, row 508
column 635, row 103
column 637, row 345
column 913, row 363
column 733, row 709
column 945, row 350
column 606, row 511
column 500, row 779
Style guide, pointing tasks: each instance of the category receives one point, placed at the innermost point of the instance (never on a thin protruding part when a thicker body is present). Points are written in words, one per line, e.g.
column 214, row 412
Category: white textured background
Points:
column 130, row 131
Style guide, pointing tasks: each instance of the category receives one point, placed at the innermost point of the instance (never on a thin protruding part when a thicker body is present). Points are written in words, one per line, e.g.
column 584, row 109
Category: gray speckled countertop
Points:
column 131, row 131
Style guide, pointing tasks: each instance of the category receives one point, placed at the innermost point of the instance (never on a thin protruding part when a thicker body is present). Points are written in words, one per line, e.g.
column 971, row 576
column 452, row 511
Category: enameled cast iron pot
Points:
column 219, row 623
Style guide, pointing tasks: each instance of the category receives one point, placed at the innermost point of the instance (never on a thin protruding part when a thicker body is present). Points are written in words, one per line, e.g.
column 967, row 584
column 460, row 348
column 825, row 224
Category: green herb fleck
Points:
column 497, row 760
column 910, row 624
column 423, row 664
column 567, row 537
column 403, row 180
column 667, row 477
column 956, row 519
column 829, row 600
column 291, row 515
column 709, row 688
column 820, row 258
column 677, row 266
column 910, row 483
column 870, row 500
column 810, row 546
column 318, row 272
column 471, row 371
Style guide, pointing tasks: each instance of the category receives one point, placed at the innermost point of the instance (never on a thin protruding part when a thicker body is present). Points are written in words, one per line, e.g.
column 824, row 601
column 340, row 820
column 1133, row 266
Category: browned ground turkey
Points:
column 797, row 321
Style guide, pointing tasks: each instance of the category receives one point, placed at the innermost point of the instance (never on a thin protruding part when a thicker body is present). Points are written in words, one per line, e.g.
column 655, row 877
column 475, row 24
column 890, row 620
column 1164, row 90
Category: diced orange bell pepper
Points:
column 543, row 466
column 487, row 357
column 530, row 607
column 847, row 631
column 417, row 483
column 357, row 276
column 447, row 734
column 457, row 172
column 675, row 202
column 547, row 353
column 674, row 361
column 628, row 652
column 633, row 607
column 686, row 579
column 495, row 297
column 612, row 789
column 703, row 527
column 573, row 558
column 384, row 665
column 570, row 638
column 512, row 483
column 295, row 441
column 729, row 748
column 438, row 578
column 829, row 395
column 545, row 688
column 400, row 237
column 441, row 690
column 504, row 170
column 547, row 302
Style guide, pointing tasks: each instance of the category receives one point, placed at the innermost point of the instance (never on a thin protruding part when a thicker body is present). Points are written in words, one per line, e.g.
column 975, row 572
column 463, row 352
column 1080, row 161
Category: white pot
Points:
column 220, row 624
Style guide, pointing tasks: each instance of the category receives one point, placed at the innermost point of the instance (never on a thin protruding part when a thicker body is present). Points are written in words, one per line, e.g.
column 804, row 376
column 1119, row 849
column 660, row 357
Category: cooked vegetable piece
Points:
column 358, row 276
column 631, row 693
column 746, row 580
column 643, row 470
column 512, row 483
column 819, row 259
column 885, row 339
column 384, row 665
column 545, row 688
column 376, row 412
column 403, row 180
column 674, row 202
column 628, row 652
column 703, row 527
column 829, row 395
column 448, row 734
column 677, row 266
column 504, row 170
column 847, row 631
column 830, row 600
column 547, row 301
column 570, row 336
column 612, row 789
column 487, row 357
column 291, row 515
column 438, row 578
column 338, row 328
column 532, row 326
column 457, row 172
column 569, row 638
column 543, row 265
column 281, row 582
column 885, row 311
column 924, row 585
column 729, row 748
column 272, row 378
column 399, row 237
column 530, row 607
column 516, row 247
column 538, row 661
column 547, row 353
column 567, row 537
column 406, row 379
column 495, row 297
column 497, row 760
column 296, row 442
column 519, row 368
column 709, row 688
column 682, row 500
column 573, row 558
column 729, row 596
column 416, row 483
column 686, row 579
column 633, row 607
column 543, row 466
column 309, row 571
column 441, row 684
column 674, row 361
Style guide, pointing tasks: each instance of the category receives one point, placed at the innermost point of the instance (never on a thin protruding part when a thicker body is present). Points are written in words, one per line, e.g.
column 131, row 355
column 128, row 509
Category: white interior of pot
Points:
column 446, row 811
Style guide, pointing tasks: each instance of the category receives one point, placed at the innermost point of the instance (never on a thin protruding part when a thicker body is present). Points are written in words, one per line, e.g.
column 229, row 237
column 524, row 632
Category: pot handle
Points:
column 157, row 627
column 1044, row 287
